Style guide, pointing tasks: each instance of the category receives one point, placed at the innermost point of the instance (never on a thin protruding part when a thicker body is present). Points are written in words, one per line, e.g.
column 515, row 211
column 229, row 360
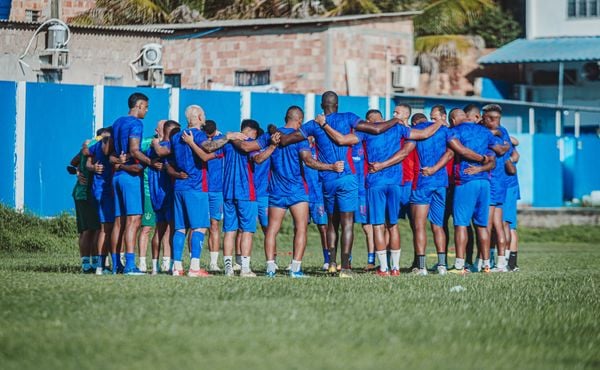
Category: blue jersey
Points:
column 477, row 138
column 262, row 171
column 499, row 176
column 102, row 183
column 329, row 152
column 511, row 180
column 239, row 172
column 430, row 151
column 188, row 162
column 380, row 148
column 215, row 170
column 160, row 184
column 358, row 157
column 311, row 176
column 286, row 172
column 125, row 128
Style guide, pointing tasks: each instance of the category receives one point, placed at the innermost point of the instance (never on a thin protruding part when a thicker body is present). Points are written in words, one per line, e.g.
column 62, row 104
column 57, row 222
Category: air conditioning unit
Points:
column 405, row 77
column 147, row 68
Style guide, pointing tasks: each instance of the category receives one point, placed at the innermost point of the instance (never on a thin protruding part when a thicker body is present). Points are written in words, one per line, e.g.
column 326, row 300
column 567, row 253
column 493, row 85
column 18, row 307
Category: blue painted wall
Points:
column 269, row 108
column 5, row 9
column 525, row 167
column 115, row 105
column 495, row 89
column 8, row 113
column 569, row 147
column 221, row 106
column 548, row 180
column 58, row 119
column 587, row 170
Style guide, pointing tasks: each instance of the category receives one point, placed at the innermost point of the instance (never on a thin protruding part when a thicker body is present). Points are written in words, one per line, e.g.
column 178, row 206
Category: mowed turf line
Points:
column 545, row 316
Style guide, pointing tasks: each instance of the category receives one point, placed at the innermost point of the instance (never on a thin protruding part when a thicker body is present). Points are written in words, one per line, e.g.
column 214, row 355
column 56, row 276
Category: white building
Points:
column 559, row 59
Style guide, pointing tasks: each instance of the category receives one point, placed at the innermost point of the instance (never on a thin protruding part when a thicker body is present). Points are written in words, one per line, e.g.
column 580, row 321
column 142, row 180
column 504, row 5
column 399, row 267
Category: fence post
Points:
column 20, row 146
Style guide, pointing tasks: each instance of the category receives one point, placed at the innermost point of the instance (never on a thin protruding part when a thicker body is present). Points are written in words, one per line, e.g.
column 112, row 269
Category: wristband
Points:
column 323, row 125
column 482, row 159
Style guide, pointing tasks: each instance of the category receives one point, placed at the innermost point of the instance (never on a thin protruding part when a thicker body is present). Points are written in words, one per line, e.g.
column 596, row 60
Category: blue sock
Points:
column 95, row 260
column 102, row 260
column 115, row 261
column 325, row 255
column 85, row 261
column 178, row 245
column 129, row 261
column 371, row 258
column 197, row 240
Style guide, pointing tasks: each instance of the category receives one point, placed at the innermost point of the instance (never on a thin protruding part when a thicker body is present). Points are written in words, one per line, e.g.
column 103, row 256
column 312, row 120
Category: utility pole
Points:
column 55, row 9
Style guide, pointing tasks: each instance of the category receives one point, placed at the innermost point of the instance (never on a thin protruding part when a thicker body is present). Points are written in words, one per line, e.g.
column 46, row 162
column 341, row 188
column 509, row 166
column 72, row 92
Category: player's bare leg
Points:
column 276, row 216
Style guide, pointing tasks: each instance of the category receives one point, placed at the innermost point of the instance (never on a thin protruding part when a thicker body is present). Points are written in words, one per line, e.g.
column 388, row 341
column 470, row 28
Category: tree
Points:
column 496, row 26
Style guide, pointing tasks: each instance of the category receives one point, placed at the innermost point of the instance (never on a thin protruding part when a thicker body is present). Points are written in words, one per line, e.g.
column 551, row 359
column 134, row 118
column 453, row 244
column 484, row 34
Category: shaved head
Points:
column 294, row 113
column 195, row 116
column 329, row 102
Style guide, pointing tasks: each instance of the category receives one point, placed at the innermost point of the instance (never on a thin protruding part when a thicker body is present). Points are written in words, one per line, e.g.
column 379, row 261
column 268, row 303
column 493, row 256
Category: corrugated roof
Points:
column 266, row 22
column 124, row 28
column 556, row 49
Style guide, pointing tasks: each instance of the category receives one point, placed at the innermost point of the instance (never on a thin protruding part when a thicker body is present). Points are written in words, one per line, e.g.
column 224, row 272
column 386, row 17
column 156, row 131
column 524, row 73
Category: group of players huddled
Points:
column 335, row 170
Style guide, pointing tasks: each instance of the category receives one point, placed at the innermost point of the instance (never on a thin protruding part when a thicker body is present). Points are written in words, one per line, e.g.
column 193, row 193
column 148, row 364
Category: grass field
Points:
column 545, row 316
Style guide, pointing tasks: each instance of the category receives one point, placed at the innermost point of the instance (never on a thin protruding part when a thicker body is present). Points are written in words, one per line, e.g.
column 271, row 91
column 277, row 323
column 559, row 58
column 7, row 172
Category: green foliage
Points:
column 447, row 17
column 497, row 27
column 24, row 232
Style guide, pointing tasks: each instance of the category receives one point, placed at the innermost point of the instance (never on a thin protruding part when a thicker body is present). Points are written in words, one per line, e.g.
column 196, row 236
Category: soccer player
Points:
column 262, row 173
column 215, row 196
column 473, row 115
column 472, row 145
column 340, row 189
column 148, row 218
column 510, row 209
column 102, row 191
column 428, row 199
column 161, row 196
column 288, row 190
column 316, row 207
column 127, row 133
column 383, row 183
column 492, row 114
column 86, row 212
column 361, row 214
column 239, row 191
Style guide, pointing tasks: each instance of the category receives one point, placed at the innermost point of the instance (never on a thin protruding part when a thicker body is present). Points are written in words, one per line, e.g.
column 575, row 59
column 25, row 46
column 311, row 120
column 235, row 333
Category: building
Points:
column 557, row 62
column 36, row 10
column 349, row 54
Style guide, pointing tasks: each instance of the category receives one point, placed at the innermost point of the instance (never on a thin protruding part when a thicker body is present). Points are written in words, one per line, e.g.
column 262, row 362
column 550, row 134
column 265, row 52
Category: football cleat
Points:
column 237, row 267
column 298, row 275
column 133, row 272
column 213, row 267
column 198, row 273
column 346, row 273
column 332, row 269
column 382, row 273
column 499, row 268
column 395, row 272
column 270, row 274
column 442, row 270
column 325, row 266
column 178, row 272
column 370, row 267
column 247, row 274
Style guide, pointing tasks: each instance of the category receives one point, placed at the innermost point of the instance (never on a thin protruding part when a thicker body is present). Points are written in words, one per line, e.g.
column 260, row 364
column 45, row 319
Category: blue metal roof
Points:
column 557, row 49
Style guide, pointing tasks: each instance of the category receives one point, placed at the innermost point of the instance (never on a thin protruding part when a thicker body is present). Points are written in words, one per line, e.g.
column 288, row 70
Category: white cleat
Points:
column 247, row 274
column 237, row 267
column 213, row 267
column 441, row 270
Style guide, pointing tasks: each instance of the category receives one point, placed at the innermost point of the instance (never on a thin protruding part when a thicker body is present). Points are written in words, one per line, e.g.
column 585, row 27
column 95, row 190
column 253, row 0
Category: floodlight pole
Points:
column 55, row 9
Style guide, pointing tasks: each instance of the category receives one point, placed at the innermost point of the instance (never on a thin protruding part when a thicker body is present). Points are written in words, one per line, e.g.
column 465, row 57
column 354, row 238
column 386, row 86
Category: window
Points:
column 173, row 79
column 583, row 8
column 252, row 78
column 32, row 15
column 550, row 78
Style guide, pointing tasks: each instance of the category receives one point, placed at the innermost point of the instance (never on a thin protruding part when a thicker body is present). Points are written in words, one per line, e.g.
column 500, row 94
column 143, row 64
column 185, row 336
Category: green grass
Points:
column 545, row 316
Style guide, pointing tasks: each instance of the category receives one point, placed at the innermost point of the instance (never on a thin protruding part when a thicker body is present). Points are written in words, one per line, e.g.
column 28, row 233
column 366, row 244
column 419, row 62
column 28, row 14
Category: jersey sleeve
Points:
column 136, row 130
column 264, row 140
column 308, row 129
column 200, row 137
column 403, row 131
column 303, row 146
column 452, row 134
column 362, row 136
column 352, row 119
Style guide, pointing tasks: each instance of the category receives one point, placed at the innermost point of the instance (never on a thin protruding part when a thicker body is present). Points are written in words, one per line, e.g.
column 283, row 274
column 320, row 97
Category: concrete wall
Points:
column 548, row 18
column 68, row 8
column 305, row 60
column 96, row 58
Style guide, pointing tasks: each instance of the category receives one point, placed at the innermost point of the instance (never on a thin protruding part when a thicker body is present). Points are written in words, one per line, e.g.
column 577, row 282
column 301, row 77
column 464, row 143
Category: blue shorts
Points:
column 497, row 193
column 341, row 195
column 436, row 200
column 471, row 202
column 239, row 215
column 509, row 213
column 361, row 212
column 165, row 214
column 286, row 201
column 215, row 205
column 191, row 209
column 263, row 210
column 106, row 208
column 129, row 195
column 317, row 213
column 384, row 204
column 405, row 192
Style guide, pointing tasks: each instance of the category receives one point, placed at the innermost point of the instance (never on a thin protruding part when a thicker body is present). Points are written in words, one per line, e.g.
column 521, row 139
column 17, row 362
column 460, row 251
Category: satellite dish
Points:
column 591, row 71
column 151, row 54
